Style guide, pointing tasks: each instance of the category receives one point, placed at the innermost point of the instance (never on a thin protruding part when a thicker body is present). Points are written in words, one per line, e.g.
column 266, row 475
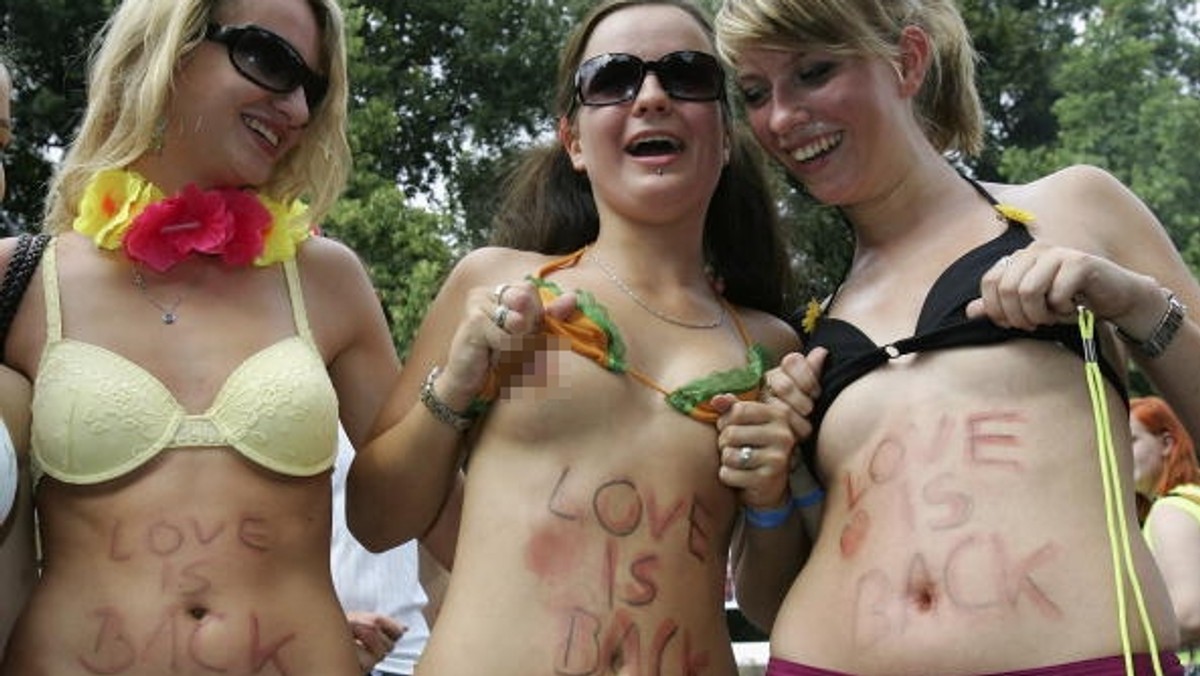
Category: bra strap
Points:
column 296, row 293
column 50, row 289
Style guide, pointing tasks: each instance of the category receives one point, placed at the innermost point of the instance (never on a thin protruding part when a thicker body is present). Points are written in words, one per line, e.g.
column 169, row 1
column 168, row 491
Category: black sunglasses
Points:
column 269, row 61
column 609, row 79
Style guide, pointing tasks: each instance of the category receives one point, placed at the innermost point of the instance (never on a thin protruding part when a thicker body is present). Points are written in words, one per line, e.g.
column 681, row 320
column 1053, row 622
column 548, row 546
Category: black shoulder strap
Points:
column 16, row 279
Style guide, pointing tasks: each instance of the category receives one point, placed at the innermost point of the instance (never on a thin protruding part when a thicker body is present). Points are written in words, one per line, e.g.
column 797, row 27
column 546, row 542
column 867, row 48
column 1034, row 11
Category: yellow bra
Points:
column 98, row 416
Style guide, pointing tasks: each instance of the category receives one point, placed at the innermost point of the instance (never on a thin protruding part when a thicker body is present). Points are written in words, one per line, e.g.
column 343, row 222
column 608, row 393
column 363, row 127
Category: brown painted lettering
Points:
column 554, row 508
column 252, row 532
column 262, row 654
column 164, row 539
column 980, row 438
column 580, row 655
column 959, row 505
column 113, row 650
column 854, row 533
column 642, row 591
column 960, row 563
column 1023, row 583
column 699, row 538
column 660, row 522
column 115, row 551
column 618, row 507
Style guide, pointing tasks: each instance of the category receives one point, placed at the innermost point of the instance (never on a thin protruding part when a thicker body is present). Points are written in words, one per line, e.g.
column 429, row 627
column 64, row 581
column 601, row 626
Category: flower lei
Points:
column 121, row 209
column 815, row 308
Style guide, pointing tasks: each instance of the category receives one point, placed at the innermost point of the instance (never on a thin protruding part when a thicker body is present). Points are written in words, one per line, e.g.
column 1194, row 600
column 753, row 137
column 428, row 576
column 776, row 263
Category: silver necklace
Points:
column 670, row 319
column 169, row 315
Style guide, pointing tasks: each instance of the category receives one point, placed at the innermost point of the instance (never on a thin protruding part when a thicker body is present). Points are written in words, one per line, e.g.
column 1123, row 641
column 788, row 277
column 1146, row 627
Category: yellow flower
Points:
column 110, row 201
column 1015, row 213
column 812, row 313
column 289, row 227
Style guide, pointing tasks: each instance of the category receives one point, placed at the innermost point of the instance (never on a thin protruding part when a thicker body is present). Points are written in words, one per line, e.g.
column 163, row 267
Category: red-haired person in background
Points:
column 1168, row 485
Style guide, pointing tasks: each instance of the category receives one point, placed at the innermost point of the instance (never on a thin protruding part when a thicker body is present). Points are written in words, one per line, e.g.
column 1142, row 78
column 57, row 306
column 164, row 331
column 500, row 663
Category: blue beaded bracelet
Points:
column 768, row 518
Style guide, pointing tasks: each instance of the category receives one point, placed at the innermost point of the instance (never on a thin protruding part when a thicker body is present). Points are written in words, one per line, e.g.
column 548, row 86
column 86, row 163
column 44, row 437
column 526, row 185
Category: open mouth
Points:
column 654, row 146
column 262, row 130
column 818, row 148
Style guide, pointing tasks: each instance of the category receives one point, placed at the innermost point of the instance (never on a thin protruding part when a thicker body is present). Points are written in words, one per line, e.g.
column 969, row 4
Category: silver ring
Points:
column 500, row 315
column 498, row 292
column 744, row 457
column 1003, row 262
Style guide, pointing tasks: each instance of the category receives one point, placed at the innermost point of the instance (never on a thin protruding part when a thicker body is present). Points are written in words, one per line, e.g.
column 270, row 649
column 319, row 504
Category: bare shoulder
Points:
column 495, row 265
column 328, row 256
column 1080, row 205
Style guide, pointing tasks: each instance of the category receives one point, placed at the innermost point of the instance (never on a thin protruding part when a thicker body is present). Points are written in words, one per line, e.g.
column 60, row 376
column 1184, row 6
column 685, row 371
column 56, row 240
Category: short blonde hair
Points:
column 948, row 105
column 131, row 76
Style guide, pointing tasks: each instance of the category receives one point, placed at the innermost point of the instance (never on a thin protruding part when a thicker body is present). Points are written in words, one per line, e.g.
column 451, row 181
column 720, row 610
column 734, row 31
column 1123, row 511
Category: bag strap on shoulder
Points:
column 16, row 279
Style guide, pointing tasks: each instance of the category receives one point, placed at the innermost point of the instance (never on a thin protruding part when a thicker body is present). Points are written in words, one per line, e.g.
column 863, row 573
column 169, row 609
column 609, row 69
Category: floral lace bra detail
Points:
column 592, row 334
column 98, row 416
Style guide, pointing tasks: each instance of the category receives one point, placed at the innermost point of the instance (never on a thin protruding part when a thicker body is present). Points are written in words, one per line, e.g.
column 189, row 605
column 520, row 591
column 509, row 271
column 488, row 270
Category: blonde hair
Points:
column 947, row 106
column 131, row 76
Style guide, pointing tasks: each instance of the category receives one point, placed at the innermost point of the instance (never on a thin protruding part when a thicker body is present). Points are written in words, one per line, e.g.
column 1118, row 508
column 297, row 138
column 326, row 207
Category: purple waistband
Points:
column 1101, row 666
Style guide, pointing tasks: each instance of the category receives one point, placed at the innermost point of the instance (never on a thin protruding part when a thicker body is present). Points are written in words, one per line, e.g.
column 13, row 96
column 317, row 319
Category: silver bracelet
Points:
column 1163, row 333
column 459, row 421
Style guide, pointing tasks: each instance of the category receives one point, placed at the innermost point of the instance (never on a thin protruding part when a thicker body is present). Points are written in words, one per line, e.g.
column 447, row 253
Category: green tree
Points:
column 1129, row 104
column 46, row 44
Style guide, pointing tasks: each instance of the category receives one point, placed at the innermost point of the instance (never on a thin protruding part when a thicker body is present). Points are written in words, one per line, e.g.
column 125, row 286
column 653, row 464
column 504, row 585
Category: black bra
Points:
column 942, row 324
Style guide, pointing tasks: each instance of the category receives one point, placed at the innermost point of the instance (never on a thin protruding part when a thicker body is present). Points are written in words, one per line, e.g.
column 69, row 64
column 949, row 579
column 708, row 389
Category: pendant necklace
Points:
column 169, row 315
column 670, row 319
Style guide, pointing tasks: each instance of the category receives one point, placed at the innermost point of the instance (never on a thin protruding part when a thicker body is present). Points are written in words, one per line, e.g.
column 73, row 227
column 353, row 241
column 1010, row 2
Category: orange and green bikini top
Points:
column 592, row 334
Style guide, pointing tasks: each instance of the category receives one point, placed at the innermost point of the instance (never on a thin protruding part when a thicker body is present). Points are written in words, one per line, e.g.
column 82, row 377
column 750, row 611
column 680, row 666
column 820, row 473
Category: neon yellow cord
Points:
column 1118, row 529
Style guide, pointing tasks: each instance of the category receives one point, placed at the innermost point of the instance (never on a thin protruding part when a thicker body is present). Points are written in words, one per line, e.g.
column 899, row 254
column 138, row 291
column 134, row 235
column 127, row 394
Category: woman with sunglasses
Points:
column 976, row 521
column 599, row 378
column 191, row 346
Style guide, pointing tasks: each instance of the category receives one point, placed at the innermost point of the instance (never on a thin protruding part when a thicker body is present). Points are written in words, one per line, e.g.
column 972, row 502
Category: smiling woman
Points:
column 599, row 378
column 181, row 334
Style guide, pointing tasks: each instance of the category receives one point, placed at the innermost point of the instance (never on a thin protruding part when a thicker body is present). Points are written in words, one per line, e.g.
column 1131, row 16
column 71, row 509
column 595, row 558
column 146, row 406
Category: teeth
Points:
column 817, row 147
column 263, row 130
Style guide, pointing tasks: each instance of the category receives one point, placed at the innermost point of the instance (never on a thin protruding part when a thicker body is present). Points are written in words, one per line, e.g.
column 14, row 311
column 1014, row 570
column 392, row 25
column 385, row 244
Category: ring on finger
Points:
column 744, row 456
column 498, row 292
column 500, row 315
column 767, row 392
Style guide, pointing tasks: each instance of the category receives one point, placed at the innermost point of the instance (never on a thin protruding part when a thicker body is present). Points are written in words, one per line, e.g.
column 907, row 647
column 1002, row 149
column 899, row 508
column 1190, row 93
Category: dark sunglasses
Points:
column 609, row 79
column 269, row 61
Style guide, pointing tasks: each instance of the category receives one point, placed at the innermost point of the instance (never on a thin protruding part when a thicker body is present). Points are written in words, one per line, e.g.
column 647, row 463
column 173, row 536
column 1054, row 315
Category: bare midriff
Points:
column 965, row 523
column 197, row 564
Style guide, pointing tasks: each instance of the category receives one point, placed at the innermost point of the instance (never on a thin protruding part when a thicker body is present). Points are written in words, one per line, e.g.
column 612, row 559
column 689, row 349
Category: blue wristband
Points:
column 809, row 499
column 768, row 518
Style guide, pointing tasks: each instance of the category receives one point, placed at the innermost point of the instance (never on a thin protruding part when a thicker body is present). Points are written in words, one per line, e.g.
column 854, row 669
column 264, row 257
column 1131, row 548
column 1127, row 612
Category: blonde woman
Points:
column 969, row 527
column 191, row 348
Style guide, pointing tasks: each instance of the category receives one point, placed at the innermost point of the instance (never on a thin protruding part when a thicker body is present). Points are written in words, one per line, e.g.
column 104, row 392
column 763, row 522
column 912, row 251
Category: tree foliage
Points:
column 446, row 94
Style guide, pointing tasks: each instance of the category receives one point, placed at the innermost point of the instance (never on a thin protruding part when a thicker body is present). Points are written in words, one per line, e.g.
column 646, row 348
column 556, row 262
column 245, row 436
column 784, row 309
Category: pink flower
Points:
column 222, row 222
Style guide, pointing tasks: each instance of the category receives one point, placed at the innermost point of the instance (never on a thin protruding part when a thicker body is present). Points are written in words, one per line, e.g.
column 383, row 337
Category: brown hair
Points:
column 548, row 206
